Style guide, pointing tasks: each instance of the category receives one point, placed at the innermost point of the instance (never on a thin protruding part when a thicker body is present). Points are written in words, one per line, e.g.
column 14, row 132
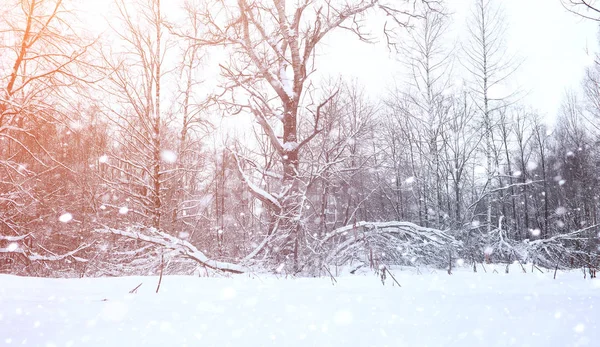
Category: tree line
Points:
column 115, row 159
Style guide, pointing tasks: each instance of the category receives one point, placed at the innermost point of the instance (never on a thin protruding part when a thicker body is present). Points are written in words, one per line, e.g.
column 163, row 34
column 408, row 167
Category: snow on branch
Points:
column 556, row 249
column 182, row 247
column 258, row 192
column 13, row 238
column 32, row 256
column 433, row 235
column 395, row 242
column 545, row 252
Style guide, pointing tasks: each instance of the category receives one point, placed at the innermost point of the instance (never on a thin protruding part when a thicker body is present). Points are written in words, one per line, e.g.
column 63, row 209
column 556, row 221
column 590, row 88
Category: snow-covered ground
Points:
column 430, row 309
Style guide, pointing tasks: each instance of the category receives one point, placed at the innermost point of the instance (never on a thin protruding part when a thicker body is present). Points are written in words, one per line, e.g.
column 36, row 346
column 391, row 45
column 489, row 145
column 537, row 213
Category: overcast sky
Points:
column 554, row 45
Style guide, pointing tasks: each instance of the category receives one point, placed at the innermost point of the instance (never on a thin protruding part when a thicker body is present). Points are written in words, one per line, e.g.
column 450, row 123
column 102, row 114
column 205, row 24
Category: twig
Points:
column 555, row 269
column 522, row 267
column 333, row 280
column 162, row 257
column 134, row 290
column 449, row 262
column 391, row 275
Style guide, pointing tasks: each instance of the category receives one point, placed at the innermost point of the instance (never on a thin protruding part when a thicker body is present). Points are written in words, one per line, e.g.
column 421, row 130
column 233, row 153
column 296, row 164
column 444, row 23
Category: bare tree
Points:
column 42, row 64
column 272, row 46
column 487, row 62
column 429, row 61
column 138, row 162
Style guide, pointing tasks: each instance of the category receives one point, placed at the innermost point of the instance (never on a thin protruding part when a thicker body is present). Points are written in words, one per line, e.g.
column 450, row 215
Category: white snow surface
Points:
column 430, row 309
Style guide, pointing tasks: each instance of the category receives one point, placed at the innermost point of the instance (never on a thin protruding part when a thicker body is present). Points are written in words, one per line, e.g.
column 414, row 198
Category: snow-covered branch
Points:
column 183, row 247
column 33, row 256
column 433, row 235
column 258, row 192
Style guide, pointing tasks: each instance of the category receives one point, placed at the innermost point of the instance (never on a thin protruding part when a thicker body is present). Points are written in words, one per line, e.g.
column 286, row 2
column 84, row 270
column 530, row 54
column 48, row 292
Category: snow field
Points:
column 430, row 309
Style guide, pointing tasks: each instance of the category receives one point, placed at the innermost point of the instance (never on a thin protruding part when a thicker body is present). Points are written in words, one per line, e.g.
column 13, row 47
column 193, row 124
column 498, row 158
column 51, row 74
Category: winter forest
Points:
column 197, row 136
column 205, row 172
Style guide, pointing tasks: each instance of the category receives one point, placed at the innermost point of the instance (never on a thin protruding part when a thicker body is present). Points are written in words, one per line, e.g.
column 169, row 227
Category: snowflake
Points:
column 168, row 156
column 65, row 218
column 561, row 210
column 184, row 235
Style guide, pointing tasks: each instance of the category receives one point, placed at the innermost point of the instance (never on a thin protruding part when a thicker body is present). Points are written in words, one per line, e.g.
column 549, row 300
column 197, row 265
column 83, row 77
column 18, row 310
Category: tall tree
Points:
column 139, row 160
column 273, row 45
column 489, row 65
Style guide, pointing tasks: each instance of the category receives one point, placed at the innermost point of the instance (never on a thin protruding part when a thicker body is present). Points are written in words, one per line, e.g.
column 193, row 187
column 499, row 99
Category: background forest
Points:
column 122, row 154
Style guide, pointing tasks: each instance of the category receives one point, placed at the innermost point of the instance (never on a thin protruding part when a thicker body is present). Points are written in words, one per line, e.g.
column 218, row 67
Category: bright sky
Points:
column 555, row 47
column 551, row 41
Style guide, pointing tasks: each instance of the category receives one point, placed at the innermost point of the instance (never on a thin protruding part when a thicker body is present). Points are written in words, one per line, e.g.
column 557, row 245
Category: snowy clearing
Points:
column 430, row 309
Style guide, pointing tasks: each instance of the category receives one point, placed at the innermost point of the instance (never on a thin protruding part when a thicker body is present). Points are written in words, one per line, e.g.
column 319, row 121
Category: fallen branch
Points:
column 182, row 247
column 33, row 256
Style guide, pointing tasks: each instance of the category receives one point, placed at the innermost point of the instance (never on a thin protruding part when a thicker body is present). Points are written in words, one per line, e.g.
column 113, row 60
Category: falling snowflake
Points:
column 488, row 250
column 480, row 169
column 228, row 293
column 168, row 156
column 114, row 311
column 579, row 328
column 561, row 210
column 531, row 166
column 517, row 173
column 410, row 180
column 561, row 182
column 12, row 247
column 460, row 262
column 343, row 317
column 124, row 210
column 65, row 218
column 535, row 232
column 184, row 235
column 475, row 223
column 103, row 159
